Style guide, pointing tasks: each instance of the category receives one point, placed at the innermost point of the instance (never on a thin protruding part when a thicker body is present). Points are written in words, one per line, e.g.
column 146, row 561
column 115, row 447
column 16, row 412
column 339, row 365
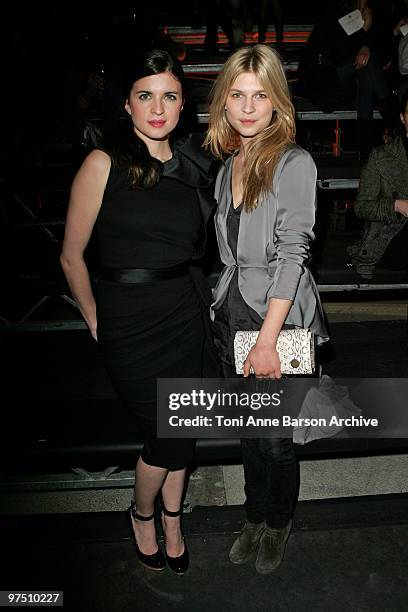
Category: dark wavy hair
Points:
column 125, row 148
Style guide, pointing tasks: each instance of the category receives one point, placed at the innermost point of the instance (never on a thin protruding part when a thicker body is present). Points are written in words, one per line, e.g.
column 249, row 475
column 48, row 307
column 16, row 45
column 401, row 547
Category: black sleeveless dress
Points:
column 150, row 329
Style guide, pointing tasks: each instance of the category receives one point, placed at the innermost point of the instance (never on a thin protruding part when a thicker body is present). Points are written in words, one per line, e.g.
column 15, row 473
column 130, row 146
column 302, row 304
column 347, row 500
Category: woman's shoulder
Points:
column 95, row 167
column 115, row 176
column 99, row 160
column 190, row 163
column 192, row 147
column 294, row 155
column 294, row 151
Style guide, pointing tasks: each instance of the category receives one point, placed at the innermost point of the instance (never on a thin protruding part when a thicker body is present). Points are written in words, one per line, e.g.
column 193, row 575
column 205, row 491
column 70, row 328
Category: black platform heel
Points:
column 156, row 561
column 179, row 564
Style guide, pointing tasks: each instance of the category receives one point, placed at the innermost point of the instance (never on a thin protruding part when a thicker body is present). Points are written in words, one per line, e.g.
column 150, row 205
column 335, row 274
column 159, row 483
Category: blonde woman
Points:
column 266, row 212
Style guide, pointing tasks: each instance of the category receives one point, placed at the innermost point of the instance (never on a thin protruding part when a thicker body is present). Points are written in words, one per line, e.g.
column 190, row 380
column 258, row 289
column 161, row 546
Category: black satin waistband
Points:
column 142, row 275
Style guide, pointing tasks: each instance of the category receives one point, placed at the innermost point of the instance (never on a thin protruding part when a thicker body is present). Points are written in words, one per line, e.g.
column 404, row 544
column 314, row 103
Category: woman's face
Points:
column 154, row 105
column 248, row 108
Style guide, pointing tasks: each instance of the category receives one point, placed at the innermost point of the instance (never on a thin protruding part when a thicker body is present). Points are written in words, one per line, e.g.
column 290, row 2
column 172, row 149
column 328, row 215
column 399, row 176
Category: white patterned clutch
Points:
column 295, row 348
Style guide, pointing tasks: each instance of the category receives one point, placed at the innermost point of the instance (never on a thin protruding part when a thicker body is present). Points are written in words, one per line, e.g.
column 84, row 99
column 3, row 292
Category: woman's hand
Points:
column 362, row 58
column 397, row 29
column 264, row 361
column 263, row 358
column 93, row 329
column 401, row 206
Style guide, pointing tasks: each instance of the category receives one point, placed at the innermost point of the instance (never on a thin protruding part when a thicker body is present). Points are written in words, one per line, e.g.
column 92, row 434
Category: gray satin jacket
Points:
column 273, row 243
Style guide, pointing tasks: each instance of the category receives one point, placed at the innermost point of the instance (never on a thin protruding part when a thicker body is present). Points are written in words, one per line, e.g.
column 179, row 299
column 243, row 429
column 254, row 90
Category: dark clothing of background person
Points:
column 270, row 10
column 328, row 75
column 329, row 46
column 385, row 234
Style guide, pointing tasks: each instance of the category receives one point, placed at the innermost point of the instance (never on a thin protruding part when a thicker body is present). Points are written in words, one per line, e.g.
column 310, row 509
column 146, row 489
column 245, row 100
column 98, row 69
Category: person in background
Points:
column 264, row 11
column 336, row 66
column 232, row 16
column 402, row 52
column 382, row 201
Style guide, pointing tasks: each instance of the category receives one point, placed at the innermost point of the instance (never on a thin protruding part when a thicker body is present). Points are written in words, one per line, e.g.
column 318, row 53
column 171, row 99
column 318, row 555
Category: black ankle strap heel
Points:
column 180, row 564
column 138, row 516
column 156, row 561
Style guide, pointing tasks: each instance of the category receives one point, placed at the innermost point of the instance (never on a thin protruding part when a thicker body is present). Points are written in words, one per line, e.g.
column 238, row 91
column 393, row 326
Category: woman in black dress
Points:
column 149, row 203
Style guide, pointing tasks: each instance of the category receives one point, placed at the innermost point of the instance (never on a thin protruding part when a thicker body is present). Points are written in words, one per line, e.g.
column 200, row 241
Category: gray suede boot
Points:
column 246, row 542
column 272, row 548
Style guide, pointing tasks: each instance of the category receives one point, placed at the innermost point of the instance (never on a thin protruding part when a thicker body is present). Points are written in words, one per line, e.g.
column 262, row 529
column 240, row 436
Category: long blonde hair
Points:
column 266, row 147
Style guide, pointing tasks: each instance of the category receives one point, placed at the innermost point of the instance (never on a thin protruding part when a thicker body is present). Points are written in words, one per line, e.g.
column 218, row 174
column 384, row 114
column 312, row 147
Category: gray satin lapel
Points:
column 223, row 203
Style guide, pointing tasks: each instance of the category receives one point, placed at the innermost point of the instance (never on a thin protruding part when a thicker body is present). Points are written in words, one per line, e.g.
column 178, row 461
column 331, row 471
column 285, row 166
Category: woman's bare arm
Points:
column 84, row 205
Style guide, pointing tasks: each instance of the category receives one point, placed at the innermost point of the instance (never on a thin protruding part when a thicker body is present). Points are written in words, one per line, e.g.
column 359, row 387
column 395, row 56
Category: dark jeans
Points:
column 271, row 475
column 372, row 85
column 271, row 478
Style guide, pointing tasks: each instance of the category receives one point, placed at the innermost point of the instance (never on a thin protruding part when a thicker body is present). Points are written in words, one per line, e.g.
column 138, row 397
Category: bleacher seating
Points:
column 294, row 34
column 96, row 434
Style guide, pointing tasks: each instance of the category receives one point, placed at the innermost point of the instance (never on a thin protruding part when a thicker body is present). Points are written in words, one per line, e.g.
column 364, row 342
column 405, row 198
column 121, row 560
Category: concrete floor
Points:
column 221, row 486
column 381, row 310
